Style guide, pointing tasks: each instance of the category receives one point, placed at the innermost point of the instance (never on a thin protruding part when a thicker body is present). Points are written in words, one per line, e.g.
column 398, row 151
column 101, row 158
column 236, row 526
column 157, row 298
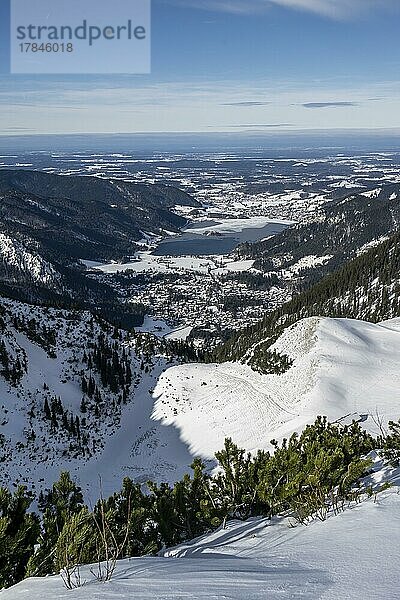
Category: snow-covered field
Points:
column 352, row 556
column 235, row 225
column 161, row 329
column 145, row 261
column 343, row 369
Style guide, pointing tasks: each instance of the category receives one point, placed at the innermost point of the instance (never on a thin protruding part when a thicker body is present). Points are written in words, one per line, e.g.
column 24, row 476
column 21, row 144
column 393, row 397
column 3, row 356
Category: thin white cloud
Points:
column 197, row 106
column 337, row 9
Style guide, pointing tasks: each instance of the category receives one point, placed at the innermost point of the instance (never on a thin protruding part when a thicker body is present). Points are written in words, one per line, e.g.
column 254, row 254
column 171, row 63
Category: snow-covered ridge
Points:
column 372, row 244
column 343, row 369
column 16, row 255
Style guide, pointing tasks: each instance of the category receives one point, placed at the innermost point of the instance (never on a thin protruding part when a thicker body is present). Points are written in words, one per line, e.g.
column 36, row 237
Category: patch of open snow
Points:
column 91, row 264
column 145, row 261
column 372, row 193
column 343, row 184
column 181, row 333
column 308, row 262
column 240, row 265
column 157, row 327
column 161, row 329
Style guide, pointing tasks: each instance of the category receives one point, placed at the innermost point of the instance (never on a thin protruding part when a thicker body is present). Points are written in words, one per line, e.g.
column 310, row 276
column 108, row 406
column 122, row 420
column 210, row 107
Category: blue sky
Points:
column 230, row 65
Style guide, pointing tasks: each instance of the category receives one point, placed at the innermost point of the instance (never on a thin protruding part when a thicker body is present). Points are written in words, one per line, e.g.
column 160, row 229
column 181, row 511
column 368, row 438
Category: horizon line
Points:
column 267, row 132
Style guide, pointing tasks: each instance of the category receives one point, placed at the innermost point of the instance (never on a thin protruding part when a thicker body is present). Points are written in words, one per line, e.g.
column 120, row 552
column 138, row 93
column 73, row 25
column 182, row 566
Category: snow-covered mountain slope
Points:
column 353, row 556
column 16, row 257
column 152, row 424
column 343, row 369
column 330, row 236
column 50, row 419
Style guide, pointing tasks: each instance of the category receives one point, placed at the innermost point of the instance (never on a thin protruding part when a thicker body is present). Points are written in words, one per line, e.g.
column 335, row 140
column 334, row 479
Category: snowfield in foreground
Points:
column 343, row 369
column 353, row 556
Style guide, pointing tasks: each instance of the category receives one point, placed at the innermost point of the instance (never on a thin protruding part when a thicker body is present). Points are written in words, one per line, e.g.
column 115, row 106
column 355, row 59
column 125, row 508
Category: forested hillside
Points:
column 344, row 227
column 49, row 222
column 367, row 287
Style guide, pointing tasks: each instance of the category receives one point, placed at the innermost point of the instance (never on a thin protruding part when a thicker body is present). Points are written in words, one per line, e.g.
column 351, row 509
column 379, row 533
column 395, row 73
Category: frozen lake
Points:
column 213, row 237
